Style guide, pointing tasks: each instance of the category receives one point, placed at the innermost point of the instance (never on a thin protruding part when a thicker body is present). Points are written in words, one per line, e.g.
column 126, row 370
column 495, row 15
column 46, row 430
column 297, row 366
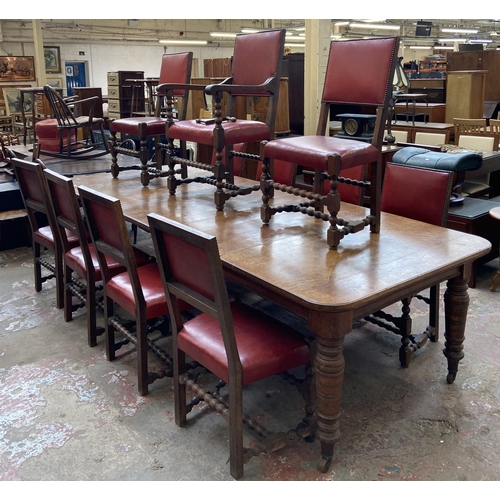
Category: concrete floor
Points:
column 67, row 414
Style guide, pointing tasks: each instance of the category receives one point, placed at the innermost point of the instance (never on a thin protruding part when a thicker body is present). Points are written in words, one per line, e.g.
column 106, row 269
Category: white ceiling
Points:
column 150, row 30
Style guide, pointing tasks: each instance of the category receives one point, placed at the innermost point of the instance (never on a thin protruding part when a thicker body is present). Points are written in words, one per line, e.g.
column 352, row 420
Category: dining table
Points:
column 289, row 262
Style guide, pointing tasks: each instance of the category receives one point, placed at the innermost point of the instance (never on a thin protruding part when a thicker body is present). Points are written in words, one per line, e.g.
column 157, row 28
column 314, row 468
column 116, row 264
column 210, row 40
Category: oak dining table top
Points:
column 289, row 262
column 291, row 252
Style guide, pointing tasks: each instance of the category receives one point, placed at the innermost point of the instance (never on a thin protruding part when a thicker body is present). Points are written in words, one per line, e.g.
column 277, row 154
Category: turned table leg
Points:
column 456, row 303
column 329, row 371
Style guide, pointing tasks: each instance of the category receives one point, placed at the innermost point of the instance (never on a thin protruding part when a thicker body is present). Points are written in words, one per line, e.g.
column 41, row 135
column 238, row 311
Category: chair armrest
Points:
column 264, row 88
column 164, row 87
column 92, row 98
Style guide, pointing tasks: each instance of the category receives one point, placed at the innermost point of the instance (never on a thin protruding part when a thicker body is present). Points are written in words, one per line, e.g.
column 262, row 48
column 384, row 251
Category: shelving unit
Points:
column 124, row 96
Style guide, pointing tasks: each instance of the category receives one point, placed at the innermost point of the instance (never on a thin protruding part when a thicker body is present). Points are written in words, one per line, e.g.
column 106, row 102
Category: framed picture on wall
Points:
column 56, row 82
column 17, row 68
column 52, row 56
column 12, row 98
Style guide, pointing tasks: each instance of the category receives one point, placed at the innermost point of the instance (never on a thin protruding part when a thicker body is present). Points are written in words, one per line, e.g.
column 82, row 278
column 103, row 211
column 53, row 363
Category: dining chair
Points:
column 435, row 186
column 255, row 73
column 431, row 138
column 358, row 72
column 59, row 136
column 468, row 126
column 494, row 126
column 480, row 185
column 44, row 233
column 82, row 259
column 236, row 343
column 138, row 291
column 174, row 69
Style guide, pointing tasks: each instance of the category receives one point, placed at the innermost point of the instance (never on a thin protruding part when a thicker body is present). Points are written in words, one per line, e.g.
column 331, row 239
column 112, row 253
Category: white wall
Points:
column 111, row 57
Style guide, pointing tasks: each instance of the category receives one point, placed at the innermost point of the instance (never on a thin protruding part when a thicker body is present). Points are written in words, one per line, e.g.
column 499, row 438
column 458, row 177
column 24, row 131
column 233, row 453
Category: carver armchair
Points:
column 358, row 72
column 255, row 73
column 175, row 69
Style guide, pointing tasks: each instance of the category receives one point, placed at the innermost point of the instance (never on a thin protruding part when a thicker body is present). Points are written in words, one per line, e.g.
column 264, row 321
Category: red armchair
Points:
column 175, row 69
column 358, row 72
column 255, row 73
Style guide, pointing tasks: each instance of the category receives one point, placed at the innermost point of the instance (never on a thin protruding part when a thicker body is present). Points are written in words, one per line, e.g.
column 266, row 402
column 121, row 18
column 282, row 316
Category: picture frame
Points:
column 12, row 98
column 17, row 69
column 56, row 82
column 52, row 57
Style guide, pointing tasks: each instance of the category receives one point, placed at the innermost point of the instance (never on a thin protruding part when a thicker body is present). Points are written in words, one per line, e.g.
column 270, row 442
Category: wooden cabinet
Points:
column 485, row 60
column 465, row 94
column 258, row 109
column 124, row 95
column 83, row 109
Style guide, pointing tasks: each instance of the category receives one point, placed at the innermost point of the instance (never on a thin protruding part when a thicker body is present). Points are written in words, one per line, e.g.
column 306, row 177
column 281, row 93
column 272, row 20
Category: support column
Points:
column 41, row 77
column 318, row 37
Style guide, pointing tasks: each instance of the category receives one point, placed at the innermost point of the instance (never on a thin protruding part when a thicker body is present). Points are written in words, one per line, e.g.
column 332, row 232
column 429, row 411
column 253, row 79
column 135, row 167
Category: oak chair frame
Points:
column 222, row 175
column 219, row 308
column 152, row 169
column 123, row 252
column 317, row 202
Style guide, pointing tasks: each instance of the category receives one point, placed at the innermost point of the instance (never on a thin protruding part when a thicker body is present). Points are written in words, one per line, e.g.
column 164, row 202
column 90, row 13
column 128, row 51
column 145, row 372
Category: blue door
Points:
column 76, row 76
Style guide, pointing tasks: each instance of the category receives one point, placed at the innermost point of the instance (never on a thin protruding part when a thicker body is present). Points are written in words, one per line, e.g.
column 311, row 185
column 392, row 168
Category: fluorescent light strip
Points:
column 458, row 30
column 452, row 40
column 417, row 47
column 223, row 34
column 375, row 26
column 183, row 42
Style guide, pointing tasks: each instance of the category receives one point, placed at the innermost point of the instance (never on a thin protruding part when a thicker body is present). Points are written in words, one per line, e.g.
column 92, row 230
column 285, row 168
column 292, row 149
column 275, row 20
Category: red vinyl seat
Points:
column 175, row 69
column 359, row 72
column 235, row 342
column 255, row 72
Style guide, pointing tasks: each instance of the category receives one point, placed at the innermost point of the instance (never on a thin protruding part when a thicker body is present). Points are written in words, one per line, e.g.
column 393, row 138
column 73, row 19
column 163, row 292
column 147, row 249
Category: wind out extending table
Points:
column 289, row 262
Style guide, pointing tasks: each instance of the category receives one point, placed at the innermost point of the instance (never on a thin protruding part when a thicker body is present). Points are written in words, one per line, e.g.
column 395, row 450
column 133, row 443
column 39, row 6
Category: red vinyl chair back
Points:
column 66, row 211
column 176, row 68
column 109, row 232
column 256, row 57
column 348, row 192
column 357, row 72
column 29, row 177
column 417, row 193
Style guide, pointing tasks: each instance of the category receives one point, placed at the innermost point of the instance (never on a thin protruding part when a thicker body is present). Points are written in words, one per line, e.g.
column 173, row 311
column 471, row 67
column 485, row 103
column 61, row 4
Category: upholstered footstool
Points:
column 458, row 163
column 48, row 135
